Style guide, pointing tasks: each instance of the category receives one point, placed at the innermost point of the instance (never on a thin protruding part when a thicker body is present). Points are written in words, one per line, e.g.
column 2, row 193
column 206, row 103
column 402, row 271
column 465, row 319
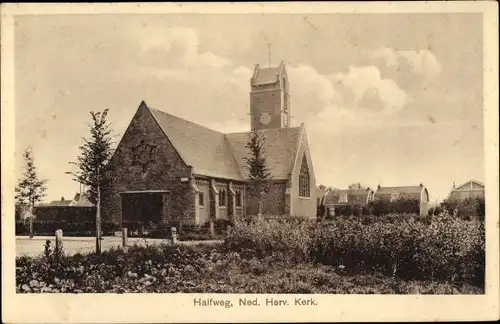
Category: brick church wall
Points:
column 164, row 173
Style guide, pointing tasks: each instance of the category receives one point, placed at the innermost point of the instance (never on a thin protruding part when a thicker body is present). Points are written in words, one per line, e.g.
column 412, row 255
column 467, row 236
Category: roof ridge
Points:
column 184, row 120
column 263, row 130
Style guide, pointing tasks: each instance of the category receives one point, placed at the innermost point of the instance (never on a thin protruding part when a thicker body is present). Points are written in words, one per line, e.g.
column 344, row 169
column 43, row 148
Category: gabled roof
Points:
column 471, row 185
column 60, row 203
column 205, row 150
column 407, row 191
column 469, row 189
column 214, row 154
column 280, row 147
column 358, row 196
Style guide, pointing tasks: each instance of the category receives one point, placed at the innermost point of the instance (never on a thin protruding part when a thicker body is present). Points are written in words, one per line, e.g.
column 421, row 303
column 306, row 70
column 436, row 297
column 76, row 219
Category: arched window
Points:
column 238, row 198
column 304, row 185
column 343, row 198
column 222, row 197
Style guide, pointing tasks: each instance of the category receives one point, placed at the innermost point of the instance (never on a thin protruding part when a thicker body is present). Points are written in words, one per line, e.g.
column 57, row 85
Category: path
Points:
column 74, row 245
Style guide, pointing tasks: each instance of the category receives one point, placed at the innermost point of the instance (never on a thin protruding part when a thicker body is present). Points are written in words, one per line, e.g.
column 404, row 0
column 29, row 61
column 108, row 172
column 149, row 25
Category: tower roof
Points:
column 269, row 75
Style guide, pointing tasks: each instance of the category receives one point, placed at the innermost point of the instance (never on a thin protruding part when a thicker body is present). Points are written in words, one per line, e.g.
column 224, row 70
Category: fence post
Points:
column 124, row 237
column 174, row 235
column 212, row 229
column 59, row 240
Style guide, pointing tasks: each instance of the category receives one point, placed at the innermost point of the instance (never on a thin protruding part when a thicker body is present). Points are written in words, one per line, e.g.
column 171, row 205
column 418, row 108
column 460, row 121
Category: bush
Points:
column 201, row 269
column 289, row 239
column 403, row 246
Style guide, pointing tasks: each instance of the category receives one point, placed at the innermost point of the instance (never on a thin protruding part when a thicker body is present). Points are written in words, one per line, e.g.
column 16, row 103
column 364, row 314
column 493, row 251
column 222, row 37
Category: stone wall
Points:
column 165, row 171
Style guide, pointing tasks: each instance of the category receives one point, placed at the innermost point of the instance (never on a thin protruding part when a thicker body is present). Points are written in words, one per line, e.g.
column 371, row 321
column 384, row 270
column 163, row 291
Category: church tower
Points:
column 269, row 98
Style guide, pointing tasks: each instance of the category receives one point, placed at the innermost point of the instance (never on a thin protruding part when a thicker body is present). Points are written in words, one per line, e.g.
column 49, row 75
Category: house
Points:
column 469, row 189
column 354, row 197
column 166, row 168
column 79, row 209
column 393, row 194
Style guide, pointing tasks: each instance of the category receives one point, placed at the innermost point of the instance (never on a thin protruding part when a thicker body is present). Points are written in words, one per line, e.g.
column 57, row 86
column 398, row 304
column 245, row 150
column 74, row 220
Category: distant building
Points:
column 392, row 194
column 469, row 189
column 354, row 197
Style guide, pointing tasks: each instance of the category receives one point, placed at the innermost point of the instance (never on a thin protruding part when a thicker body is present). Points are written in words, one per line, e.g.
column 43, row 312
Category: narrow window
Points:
column 201, row 199
column 343, row 198
column 238, row 198
column 304, row 186
column 222, row 197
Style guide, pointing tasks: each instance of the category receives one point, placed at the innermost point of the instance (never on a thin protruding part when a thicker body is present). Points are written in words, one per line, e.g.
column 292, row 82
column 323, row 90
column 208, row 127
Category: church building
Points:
column 169, row 169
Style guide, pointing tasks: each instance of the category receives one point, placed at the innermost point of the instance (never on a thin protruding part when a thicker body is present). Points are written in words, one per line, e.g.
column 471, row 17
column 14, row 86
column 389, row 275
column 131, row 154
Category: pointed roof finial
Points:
column 269, row 53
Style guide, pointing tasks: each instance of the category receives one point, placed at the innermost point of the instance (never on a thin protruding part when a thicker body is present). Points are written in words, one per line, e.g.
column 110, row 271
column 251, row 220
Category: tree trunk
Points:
column 259, row 215
column 31, row 227
column 98, row 223
column 32, row 212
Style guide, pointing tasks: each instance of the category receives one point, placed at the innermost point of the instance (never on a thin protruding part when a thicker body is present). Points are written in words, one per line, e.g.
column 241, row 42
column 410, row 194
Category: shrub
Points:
column 405, row 246
column 289, row 239
column 202, row 269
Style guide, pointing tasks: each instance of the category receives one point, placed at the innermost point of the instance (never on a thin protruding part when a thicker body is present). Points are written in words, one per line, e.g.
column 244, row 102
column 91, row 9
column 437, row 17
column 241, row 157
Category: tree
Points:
column 259, row 174
column 93, row 164
column 356, row 186
column 30, row 189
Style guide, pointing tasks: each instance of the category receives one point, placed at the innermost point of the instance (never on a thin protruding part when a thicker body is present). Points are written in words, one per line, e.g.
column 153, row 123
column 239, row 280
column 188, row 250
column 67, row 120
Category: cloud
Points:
column 408, row 67
column 363, row 87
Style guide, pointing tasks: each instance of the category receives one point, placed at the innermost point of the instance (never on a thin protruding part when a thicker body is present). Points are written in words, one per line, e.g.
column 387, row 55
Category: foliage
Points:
column 472, row 206
column 203, row 269
column 259, row 174
column 403, row 205
column 30, row 190
column 95, row 155
column 444, row 248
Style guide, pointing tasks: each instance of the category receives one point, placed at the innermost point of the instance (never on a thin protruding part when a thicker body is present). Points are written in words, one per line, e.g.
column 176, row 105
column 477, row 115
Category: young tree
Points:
column 30, row 190
column 259, row 174
column 93, row 164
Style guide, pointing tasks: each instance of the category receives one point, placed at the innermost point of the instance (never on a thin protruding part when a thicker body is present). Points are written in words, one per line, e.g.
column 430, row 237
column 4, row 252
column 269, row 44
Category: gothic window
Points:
column 343, row 198
column 238, row 198
column 222, row 197
column 304, row 185
column 201, row 199
column 285, row 118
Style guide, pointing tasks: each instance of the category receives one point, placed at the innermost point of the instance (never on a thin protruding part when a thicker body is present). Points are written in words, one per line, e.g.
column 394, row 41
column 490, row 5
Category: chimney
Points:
column 378, row 187
column 421, row 185
column 453, row 184
column 62, row 198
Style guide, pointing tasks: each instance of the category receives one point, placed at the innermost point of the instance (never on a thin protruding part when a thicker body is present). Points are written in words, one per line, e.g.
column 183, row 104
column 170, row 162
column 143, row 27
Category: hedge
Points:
column 445, row 248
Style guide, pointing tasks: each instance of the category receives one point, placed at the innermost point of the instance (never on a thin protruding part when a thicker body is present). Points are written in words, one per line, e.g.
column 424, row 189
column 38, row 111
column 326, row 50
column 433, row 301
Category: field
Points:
column 294, row 256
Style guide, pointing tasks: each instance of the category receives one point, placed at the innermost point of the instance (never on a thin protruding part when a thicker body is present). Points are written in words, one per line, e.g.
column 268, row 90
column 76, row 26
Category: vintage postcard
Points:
column 250, row 162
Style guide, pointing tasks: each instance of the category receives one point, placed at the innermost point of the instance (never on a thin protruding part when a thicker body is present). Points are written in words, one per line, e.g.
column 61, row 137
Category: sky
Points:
column 389, row 99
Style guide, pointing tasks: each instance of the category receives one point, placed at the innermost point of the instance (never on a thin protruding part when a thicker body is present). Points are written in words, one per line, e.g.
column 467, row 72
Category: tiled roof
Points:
column 60, row 203
column 280, row 147
column 82, row 201
column 219, row 155
column 359, row 196
column 206, row 150
column 407, row 191
column 267, row 75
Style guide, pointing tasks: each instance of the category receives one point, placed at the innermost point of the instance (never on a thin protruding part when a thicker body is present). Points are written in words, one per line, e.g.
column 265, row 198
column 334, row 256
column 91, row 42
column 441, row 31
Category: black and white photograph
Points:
column 250, row 161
